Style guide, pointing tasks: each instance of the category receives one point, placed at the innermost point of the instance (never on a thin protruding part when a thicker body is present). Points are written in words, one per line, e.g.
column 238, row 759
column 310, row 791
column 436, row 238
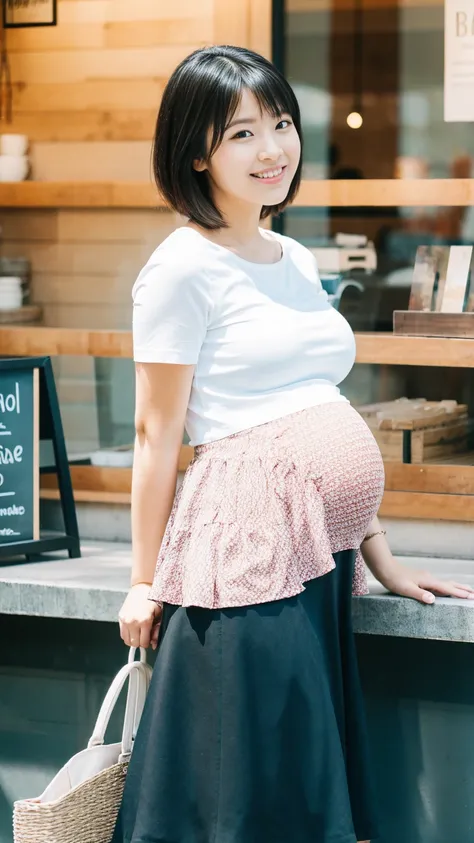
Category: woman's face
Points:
column 258, row 156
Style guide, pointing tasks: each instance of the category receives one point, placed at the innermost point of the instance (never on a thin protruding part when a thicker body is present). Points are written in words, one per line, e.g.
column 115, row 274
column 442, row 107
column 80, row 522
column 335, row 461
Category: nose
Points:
column 271, row 152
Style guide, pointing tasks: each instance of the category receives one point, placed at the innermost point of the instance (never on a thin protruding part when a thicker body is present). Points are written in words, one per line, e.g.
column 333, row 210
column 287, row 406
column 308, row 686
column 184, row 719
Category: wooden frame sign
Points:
column 19, row 456
column 30, row 418
column 24, row 13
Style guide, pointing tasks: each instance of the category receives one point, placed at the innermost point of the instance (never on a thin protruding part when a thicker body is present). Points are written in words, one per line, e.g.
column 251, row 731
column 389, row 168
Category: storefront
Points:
column 388, row 163
column 89, row 216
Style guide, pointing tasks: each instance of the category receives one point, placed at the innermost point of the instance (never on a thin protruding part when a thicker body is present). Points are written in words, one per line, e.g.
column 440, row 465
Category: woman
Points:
column 253, row 731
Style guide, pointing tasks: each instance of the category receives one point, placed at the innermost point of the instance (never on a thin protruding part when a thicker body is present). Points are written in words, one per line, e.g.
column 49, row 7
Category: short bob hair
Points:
column 203, row 94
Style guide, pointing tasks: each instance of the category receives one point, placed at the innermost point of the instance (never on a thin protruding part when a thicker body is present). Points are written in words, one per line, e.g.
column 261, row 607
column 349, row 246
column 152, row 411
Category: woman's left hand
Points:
column 423, row 586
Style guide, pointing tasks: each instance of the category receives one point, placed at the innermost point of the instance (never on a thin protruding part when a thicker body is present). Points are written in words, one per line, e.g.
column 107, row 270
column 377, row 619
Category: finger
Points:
column 145, row 630
column 463, row 594
column 460, row 592
column 154, row 635
column 464, row 586
column 449, row 589
column 134, row 634
column 421, row 594
column 124, row 633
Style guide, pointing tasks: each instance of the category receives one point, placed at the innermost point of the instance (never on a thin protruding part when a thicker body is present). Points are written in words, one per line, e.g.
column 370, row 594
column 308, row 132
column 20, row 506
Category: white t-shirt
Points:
column 263, row 337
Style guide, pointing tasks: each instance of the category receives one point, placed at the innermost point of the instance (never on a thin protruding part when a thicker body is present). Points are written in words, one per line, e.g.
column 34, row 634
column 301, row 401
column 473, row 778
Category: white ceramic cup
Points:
column 14, row 167
column 11, row 293
column 13, row 144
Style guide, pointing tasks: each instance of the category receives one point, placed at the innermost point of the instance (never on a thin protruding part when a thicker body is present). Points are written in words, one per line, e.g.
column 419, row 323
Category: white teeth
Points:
column 271, row 174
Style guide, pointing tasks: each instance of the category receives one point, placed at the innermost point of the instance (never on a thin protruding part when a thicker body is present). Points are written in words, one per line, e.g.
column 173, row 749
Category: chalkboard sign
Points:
column 29, row 414
column 19, row 447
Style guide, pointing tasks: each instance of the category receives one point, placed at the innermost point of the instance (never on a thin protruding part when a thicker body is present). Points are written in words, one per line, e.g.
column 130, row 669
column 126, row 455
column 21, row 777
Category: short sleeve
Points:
column 171, row 310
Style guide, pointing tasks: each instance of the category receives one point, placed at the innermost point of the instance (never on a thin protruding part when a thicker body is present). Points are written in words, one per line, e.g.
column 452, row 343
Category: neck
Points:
column 243, row 221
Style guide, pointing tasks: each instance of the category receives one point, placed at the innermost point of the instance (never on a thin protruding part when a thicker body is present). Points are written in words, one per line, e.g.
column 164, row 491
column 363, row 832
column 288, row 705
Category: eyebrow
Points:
column 241, row 121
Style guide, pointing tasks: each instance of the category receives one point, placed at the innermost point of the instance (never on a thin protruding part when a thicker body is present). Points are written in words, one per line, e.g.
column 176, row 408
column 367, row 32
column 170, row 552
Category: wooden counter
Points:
column 428, row 491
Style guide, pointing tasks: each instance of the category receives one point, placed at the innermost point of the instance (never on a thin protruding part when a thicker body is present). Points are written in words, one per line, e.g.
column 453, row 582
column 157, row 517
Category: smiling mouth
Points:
column 269, row 175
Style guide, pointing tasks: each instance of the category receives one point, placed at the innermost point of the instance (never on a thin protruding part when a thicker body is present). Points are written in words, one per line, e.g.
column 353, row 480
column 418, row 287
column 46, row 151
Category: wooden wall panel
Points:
column 87, row 92
column 92, row 161
column 84, row 263
column 96, row 94
column 99, row 74
column 79, row 65
column 87, row 11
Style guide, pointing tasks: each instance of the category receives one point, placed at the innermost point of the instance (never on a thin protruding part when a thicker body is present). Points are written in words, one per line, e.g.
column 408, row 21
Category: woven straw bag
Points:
column 81, row 803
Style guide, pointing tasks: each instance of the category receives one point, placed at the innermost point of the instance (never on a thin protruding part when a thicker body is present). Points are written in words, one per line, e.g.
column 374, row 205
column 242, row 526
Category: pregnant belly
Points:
column 346, row 467
column 320, row 463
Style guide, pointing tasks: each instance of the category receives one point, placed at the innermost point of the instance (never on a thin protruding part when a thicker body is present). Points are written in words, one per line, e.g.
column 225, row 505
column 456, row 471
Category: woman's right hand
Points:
column 140, row 618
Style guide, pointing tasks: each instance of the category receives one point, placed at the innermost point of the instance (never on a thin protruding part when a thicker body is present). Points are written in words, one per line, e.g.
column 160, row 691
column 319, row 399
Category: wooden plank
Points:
column 87, row 125
column 21, row 315
column 196, row 30
column 99, row 480
column 116, row 316
column 62, row 37
column 426, row 324
column 30, row 226
column 377, row 193
column 86, row 226
column 64, row 290
column 143, row 94
column 395, row 504
column 70, row 259
column 392, row 350
column 94, row 478
column 232, row 22
column 112, row 485
column 386, row 192
column 115, row 225
column 451, row 479
column 66, row 194
column 435, row 507
column 88, row 496
column 89, row 11
column 79, row 65
column 30, row 342
column 371, row 348
column 112, row 34
column 260, row 27
column 100, row 161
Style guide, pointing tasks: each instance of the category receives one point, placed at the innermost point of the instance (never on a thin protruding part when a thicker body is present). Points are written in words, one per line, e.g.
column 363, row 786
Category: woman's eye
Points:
column 287, row 122
column 242, row 133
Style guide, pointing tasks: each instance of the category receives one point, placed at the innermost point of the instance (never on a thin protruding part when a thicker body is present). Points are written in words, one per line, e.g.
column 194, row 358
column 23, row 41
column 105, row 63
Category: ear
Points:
column 199, row 164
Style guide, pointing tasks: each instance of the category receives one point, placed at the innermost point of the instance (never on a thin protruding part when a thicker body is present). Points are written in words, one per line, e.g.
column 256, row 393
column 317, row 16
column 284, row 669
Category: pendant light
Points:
column 355, row 119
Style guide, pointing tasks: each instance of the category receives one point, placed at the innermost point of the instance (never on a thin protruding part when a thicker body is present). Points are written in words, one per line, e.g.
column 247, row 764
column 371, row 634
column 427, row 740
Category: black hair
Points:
column 203, row 94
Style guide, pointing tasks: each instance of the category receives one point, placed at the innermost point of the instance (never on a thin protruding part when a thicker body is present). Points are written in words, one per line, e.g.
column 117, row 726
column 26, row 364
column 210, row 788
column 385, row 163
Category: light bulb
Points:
column 354, row 120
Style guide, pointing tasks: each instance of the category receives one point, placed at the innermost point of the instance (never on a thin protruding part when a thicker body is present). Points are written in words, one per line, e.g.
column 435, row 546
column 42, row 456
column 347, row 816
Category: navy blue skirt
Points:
column 254, row 726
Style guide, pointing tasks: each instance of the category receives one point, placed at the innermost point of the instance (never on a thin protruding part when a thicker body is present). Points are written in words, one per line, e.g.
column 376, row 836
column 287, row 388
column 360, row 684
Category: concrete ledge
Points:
column 385, row 614
column 93, row 588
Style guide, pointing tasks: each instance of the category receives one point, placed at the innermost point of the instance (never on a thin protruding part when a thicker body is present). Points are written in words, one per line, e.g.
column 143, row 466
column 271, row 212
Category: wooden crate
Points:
column 438, row 428
column 419, row 323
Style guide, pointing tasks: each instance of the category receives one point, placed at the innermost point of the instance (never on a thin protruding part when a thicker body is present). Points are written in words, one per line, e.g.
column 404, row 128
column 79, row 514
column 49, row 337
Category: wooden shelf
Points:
column 395, row 350
column 383, row 349
column 27, row 341
column 37, row 194
column 411, row 491
column 431, row 507
column 320, row 193
column 386, row 193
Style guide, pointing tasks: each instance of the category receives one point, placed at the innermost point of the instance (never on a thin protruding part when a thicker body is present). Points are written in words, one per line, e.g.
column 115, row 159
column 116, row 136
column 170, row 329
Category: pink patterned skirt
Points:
column 262, row 511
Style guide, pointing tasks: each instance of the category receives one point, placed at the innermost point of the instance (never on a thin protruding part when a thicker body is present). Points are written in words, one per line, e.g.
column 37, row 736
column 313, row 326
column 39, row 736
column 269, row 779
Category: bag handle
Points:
column 139, row 674
column 136, row 696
